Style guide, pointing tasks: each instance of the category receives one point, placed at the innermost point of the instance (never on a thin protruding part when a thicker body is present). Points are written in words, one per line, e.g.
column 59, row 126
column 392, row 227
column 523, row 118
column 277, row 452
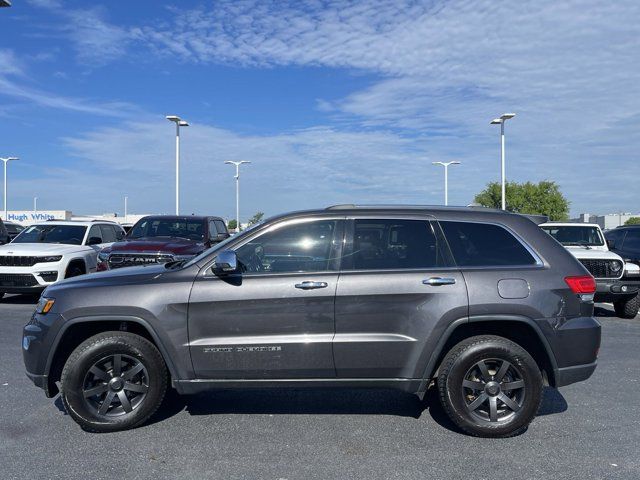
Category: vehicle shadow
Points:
column 604, row 311
column 30, row 299
column 325, row 402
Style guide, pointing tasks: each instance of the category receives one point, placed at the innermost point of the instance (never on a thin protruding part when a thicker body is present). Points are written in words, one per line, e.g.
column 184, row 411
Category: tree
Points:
column 232, row 225
column 543, row 198
column 633, row 221
column 256, row 218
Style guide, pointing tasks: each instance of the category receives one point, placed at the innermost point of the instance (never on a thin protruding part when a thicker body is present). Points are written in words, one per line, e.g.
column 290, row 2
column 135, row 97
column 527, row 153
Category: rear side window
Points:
column 391, row 244
column 482, row 244
column 220, row 226
column 632, row 240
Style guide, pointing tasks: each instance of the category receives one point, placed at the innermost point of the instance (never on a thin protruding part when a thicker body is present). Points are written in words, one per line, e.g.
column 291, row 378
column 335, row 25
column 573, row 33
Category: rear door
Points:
column 396, row 293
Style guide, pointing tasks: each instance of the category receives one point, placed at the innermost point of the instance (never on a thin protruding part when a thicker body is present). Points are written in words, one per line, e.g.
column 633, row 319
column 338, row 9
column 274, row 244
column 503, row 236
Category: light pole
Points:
column 35, row 205
column 237, row 177
column 125, row 208
column 6, row 160
column 179, row 123
column 446, row 177
column 503, row 118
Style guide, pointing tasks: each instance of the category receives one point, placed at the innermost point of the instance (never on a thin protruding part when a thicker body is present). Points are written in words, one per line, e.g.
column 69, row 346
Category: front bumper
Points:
column 37, row 339
column 612, row 290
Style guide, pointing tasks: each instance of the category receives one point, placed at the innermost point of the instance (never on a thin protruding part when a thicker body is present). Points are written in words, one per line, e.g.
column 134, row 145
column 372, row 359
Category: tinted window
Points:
column 212, row 230
column 575, row 235
column 108, row 233
column 393, row 244
column 303, row 247
column 632, row 240
column 191, row 229
column 13, row 228
column 481, row 244
column 220, row 226
column 95, row 233
column 69, row 234
column 616, row 237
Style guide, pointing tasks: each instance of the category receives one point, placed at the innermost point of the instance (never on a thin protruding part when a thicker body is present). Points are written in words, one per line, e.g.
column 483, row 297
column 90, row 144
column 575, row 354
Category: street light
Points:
column 446, row 178
column 6, row 160
column 35, row 205
column 126, row 198
column 237, row 177
column 179, row 123
column 503, row 118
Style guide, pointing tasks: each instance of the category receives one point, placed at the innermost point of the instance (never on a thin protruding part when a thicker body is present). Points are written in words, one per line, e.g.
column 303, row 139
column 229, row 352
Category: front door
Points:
column 274, row 318
column 397, row 292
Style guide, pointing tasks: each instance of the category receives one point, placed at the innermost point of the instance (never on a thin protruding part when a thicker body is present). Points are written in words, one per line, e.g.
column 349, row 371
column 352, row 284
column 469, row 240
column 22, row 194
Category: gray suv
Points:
column 481, row 303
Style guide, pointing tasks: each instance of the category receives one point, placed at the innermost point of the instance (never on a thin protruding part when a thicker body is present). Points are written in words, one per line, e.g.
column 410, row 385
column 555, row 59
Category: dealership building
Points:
column 28, row 217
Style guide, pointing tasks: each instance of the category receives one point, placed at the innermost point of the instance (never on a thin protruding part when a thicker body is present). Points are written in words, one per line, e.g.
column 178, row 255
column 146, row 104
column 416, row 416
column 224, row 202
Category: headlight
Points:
column 616, row 267
column 44, row 305
column 53, row 258
column 103, row 257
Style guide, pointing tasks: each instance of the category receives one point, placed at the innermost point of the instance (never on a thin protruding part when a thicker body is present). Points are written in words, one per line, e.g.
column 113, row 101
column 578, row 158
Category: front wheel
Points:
column 627, row 308
column 113, row 381
column 490, row 386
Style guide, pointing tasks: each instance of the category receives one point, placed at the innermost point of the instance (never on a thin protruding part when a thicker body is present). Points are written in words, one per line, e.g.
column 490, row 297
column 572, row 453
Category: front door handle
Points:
column 309, row 285
column 436, row 281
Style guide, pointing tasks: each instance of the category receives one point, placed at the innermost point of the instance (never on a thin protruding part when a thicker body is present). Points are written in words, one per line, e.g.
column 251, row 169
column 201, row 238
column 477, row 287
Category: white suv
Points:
column 46, row 252
column 586, row 242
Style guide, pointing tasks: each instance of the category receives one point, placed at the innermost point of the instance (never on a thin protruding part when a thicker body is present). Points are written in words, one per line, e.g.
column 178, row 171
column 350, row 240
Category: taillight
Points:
column 581, row 284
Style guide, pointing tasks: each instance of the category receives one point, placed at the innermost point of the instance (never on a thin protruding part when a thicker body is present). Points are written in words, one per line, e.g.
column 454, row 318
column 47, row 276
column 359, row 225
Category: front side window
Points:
column 483, row 244
column 213, row 233
column 389, row 244
column 569, row 235
column 67, row 234
column 301, row 247
column 108, row 233
column 632, row 240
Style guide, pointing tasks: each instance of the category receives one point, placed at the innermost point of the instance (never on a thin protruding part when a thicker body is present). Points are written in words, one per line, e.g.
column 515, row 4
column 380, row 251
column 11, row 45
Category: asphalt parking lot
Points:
column 587, row 430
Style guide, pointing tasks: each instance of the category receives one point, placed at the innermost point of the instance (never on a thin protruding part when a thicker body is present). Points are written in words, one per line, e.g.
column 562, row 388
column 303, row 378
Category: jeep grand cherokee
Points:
column 480, row 302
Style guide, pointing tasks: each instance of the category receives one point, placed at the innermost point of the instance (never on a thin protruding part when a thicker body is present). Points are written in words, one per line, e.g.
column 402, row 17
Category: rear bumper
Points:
column 577, row 373
column 612, row 290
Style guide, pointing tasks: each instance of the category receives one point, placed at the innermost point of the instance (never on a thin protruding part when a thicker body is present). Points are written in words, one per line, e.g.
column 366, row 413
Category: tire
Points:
column 627, row 308
column 74, row 270
column 133, row 396
column 472, row 380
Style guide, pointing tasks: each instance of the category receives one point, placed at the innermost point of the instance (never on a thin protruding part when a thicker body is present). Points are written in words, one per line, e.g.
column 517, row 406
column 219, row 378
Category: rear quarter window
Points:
column 483, row 244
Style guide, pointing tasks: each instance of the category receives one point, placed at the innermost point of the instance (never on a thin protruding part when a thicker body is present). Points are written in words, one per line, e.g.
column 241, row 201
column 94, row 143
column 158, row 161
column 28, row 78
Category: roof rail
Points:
column 350, row 206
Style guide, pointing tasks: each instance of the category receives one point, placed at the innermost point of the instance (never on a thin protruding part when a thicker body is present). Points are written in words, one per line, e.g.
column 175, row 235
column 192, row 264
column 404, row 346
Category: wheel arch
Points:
column 522, row 330
column 77, row 330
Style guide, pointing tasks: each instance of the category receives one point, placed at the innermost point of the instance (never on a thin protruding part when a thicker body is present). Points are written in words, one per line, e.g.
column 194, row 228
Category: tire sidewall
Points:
column 89, row 353
column 520, row 359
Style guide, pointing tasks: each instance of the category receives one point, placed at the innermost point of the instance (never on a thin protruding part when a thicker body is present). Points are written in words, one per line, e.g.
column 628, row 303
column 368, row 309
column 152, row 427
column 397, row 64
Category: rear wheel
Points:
column 627, row 308
column 113, row 381
column 490, row 386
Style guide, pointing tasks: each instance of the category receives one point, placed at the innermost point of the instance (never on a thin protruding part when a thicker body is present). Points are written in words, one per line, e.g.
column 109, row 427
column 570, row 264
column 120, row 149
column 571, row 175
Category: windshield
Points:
column 222, row 245
column 578, row 235
column 191, row 229
column 68, row 234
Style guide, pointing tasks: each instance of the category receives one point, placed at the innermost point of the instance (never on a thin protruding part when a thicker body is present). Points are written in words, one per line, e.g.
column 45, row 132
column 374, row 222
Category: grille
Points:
column 119, row 260
column 16, row 261
column 17, row 280
column 602, row 268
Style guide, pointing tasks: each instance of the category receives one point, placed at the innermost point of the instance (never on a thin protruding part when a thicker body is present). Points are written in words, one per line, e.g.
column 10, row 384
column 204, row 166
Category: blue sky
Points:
column 333, row 102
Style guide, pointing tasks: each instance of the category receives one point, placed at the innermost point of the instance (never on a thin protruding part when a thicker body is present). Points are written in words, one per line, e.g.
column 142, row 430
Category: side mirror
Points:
column 221, row 236
column 610, row 243
column 94, row 241
column 226, row 262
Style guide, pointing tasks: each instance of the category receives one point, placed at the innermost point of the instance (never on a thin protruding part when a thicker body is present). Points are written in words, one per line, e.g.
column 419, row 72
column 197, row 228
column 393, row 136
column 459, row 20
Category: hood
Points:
column 120, row 276
column 38, row 249
column 176, row 246
column 592, row 253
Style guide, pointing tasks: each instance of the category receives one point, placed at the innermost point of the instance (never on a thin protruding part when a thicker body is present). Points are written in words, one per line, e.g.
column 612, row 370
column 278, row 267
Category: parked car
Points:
column 4, row 234
column 482, row 302
column 46, row 252
column 625, row 241
column 162, row 239
column 586, row 242
column 13, row 229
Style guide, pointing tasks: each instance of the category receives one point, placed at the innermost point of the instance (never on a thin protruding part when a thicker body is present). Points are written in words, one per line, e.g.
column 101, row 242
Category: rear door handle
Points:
column 436, row 281
column 309, row 285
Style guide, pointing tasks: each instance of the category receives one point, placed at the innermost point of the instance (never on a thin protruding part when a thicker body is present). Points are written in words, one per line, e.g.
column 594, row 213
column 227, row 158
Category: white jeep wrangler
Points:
column 586, row 242
column 46, row 252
